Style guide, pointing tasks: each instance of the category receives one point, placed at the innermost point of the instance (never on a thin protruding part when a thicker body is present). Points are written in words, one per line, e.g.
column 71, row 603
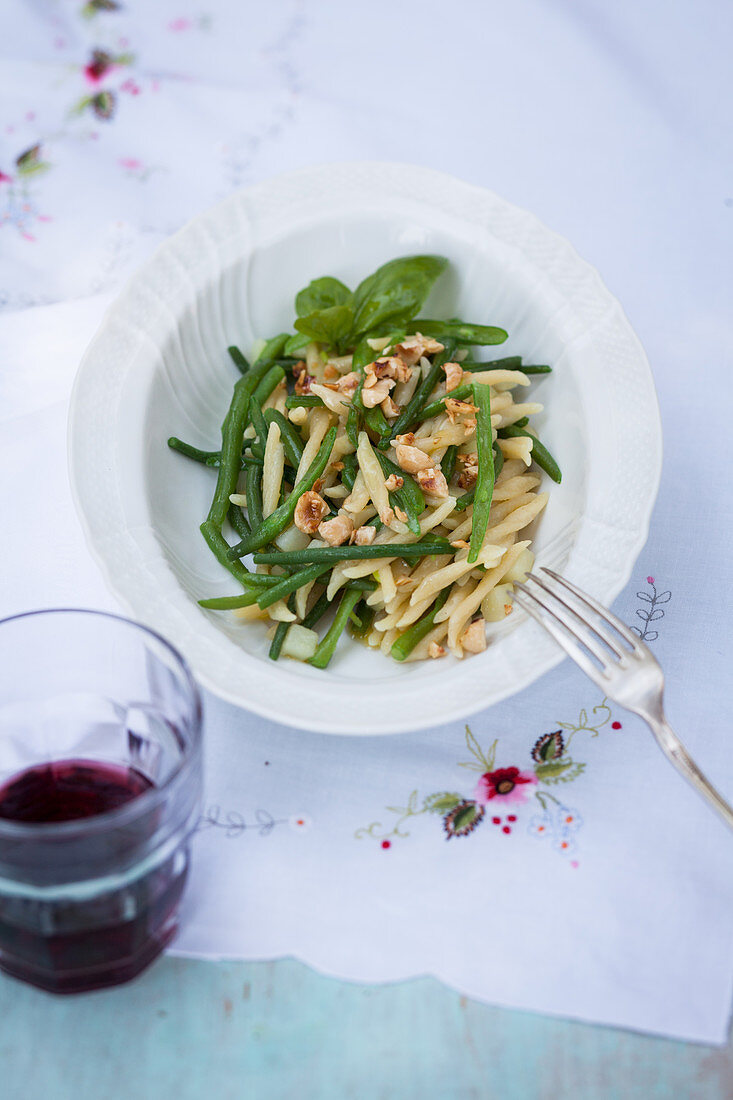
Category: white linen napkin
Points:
column 598, row 887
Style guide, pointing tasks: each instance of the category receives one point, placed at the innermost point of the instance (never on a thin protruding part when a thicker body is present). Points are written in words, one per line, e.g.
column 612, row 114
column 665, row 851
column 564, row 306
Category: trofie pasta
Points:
column 368, row 463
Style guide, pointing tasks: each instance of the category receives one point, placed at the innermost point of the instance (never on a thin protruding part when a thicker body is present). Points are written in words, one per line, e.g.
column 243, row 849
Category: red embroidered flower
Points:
column 504, row 783
column 5, row 178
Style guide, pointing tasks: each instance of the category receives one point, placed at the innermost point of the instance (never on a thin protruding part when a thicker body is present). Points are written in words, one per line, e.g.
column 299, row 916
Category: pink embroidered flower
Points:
column 132, row 164
column 180, row 24
column 5, row 178
column 503, row 783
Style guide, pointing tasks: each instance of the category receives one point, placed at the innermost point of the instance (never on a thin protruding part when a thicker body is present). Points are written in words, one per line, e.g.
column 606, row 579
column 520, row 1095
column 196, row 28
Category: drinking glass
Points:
column 100, row 721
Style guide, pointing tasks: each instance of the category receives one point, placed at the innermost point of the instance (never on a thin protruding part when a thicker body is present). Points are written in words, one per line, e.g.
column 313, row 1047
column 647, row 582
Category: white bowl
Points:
column 158, row 366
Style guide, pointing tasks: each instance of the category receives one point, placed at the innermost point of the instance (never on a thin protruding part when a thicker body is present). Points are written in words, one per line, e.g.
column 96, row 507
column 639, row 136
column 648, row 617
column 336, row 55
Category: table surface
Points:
column 277, row 1029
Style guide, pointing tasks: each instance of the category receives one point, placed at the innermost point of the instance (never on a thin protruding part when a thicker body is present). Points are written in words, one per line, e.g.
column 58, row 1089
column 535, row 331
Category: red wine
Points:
column 67, row 790
column 96, row 938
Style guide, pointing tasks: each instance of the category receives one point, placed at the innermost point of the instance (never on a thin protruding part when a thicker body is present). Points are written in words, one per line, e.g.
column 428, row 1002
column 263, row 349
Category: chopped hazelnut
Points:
column 435, row 650
column 453, row 376
column 303, row 382
column 376, row 394
column 363, row 536
column 309, row 511
column 330, row 372
column 411, row 459
column 394, row 481
column 460, row 544
column 456, row 408
column 413, row 347
column 389, row 408
column 336, row 530
column 407, row 439
column 433, row 481
column 347, row 383
column 401, row 515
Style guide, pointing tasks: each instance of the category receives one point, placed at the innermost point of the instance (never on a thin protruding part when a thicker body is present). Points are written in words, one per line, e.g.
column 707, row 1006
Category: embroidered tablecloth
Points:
column 546, row 857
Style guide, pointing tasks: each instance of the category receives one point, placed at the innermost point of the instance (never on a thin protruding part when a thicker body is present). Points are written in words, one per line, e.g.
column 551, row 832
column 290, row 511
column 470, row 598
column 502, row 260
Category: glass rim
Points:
column 143, row 802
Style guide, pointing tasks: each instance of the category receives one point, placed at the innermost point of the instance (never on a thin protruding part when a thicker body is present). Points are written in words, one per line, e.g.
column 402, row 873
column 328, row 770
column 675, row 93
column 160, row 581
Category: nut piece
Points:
column 456, row 408
column 394, row 481
column 435, row 650
column 460, row 544
column 401, row 515
column 309, row 511
column 407, row 439
column 330, row 373
column 336, row 530
column 411, row 459
column 347, row 383
column 433, row 481
column 302, row 378
column 364, row 536
column 473, row 638
column 391, row 367
column 375, row 394
column 453, row 376
column 389, row 408
column 412, row 347
column 469, row 474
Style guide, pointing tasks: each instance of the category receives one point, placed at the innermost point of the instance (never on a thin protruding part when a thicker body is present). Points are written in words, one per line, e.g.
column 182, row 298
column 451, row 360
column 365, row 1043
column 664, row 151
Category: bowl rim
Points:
column 318, row 176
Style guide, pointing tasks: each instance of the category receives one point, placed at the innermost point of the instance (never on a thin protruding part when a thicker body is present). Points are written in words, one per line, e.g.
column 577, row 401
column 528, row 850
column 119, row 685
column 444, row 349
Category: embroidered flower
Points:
column 503, row 783
column 5, row 178
column 100, row 64
column 560, row 823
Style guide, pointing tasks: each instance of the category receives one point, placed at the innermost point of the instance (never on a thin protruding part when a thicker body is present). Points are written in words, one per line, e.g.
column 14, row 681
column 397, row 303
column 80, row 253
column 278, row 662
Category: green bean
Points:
column 462, row 332
column 306, row 401
column 272, row 351
column 413, row 409
column 220, row 549
column 540, row 454
column 365, row 615
column 253, row 489
column 521, row 423
column 232, row 434
column 498, row 461
column 289, row 438
column 268, row 529
column 289, row 584
column 448, row 463
column 316, row 613
column 280, row 632
column 467, row 499
column 238, row 520
column 327, row 645
column 257, row 420
column 350, row 470
column 313, row 554
column 485, row 481
column 376, row 422
column 229, row 603
column 207, row 458
column 512, row 362
column 409, row 497
column 240, row 361
column 362, row 355
column 405, row 644
column 212, row 459
column 272, row 379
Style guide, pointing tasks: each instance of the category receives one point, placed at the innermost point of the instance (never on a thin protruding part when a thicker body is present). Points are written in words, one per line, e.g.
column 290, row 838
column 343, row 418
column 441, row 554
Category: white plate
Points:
column 158, row 366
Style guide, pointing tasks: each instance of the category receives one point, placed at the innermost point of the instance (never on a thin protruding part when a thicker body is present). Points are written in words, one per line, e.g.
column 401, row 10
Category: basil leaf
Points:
column 395, row 291
column 321, row 294
column 327, row 326
column 460, row 331
column 296, row 344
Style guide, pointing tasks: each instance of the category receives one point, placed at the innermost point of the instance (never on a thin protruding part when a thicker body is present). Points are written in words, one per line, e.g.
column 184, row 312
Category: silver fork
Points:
column 628, row 674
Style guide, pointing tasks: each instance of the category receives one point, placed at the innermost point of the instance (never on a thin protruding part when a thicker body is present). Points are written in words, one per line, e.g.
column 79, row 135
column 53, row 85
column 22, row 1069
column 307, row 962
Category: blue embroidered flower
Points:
column 558, row 822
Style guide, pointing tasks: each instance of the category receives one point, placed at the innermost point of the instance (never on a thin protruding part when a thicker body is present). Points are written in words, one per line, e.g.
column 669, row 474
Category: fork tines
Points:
column 564, row 610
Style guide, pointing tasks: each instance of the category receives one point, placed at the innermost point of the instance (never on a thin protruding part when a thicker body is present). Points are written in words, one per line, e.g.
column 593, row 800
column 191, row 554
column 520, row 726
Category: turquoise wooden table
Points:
column 278, row 1030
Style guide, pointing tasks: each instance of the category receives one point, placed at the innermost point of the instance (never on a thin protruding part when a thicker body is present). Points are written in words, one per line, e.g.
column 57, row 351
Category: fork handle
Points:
column 677, row 754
